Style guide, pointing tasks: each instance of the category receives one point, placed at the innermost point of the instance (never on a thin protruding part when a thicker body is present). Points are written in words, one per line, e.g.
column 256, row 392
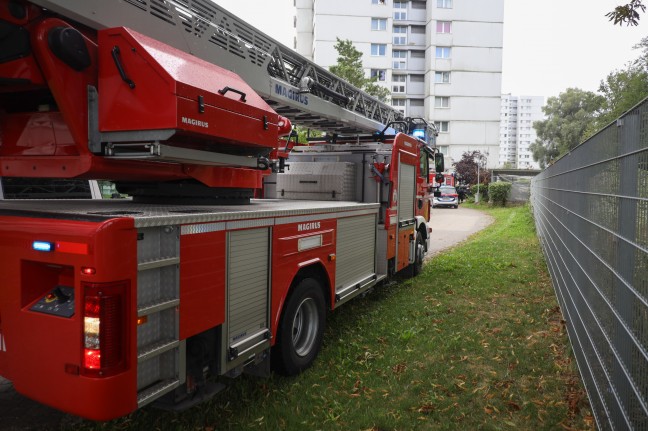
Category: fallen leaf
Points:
column 513, row 406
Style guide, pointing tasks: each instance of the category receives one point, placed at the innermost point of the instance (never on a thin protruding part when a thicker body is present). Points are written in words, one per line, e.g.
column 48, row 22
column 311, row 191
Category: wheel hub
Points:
column 305, row 327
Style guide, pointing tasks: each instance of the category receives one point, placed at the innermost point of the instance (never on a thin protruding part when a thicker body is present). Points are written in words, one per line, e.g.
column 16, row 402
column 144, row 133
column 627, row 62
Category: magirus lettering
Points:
column 195, row 122
column 308, row 226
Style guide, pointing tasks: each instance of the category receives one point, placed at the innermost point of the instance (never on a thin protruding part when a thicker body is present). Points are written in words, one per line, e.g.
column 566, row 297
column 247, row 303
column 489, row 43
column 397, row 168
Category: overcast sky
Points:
column 549, row 45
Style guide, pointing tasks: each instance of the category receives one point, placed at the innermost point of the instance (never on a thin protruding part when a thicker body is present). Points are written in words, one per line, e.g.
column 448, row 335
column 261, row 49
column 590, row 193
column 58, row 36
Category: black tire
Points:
column 416, row 267
column 301, row 328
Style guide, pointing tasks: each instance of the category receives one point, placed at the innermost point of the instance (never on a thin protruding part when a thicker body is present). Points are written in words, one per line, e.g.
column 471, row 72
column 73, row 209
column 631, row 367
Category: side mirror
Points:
column 439, row 178
column 439, row 164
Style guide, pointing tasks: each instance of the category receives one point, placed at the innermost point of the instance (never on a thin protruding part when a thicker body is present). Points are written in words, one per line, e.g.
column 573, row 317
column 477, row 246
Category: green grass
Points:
column 475, row 342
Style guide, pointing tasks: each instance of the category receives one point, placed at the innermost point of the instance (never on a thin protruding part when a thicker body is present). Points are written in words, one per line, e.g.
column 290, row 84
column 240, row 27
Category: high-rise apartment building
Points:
column 441, row 59
column 518, row 114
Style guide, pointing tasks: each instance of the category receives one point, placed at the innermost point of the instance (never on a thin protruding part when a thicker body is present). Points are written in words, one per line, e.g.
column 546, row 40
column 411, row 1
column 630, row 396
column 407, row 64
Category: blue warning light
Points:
column 43, row 246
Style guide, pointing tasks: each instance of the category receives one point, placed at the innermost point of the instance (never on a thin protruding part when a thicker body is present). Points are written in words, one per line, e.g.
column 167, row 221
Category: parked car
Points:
column 449, row 198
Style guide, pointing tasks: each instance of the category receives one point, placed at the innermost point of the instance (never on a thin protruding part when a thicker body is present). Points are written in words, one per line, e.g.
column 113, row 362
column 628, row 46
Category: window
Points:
column 442, row 77
column 424, row 165
column 444, row 27
column 382, row 2
column 418, row 29
column 401, row 14
column 444, row 4
column 379, row 24
column 379, row 74
column 400, row 59
column 400, row 35
column 378, row 49
column 398, row 83
column 441, row 102
column 443, row 52
column 444, row 149
column 442, row 126
column 399, row 104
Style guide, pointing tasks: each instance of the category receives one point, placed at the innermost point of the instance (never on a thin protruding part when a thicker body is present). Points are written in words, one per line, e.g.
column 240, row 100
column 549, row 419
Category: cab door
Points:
column 406, row 192
column 422, row 187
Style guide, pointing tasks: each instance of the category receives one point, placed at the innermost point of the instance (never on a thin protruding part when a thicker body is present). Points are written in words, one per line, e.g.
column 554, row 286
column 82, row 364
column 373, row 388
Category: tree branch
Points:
column 627, row 14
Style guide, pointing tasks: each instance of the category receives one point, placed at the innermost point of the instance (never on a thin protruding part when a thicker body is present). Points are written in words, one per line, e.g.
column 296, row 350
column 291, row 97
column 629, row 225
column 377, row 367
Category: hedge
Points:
column 499, row 192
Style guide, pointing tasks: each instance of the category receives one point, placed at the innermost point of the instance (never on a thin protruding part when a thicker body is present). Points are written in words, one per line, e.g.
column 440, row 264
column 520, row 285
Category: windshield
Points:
column 448, row 190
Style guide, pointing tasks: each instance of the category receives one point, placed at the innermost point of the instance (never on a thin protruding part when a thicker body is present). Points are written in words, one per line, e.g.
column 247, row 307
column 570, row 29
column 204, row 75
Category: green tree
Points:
column 466, row 168
column 622, row 89
column 628, row 13
column 304, row 133
column 349, row 68
column 569, row 115
column 642, row 61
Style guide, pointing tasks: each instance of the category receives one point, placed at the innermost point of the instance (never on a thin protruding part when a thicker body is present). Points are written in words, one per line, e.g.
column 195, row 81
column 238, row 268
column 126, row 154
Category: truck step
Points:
column 154, row 392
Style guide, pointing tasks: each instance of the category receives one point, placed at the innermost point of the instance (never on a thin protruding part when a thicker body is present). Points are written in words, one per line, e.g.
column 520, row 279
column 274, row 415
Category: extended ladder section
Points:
column 295, row 87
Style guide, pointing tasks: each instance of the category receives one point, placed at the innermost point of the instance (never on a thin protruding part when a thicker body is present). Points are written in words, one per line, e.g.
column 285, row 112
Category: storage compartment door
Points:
column 356, row 248
column 248, row 274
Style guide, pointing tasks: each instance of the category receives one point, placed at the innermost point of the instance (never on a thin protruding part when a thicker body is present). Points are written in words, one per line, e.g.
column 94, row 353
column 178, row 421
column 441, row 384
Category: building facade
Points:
column 441, row 60
column 518, row 114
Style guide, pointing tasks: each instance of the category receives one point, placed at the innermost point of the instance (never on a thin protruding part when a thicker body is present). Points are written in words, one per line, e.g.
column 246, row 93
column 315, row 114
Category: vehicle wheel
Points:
column 456, row 206
column 301, row 328
column 416, row 267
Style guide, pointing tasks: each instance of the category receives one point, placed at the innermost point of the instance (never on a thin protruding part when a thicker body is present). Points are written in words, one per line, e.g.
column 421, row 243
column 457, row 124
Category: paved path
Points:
column 449, row 227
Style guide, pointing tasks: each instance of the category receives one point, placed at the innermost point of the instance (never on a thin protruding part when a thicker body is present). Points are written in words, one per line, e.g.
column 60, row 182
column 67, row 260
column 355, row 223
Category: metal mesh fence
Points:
column 520, row 187
column 591, row 214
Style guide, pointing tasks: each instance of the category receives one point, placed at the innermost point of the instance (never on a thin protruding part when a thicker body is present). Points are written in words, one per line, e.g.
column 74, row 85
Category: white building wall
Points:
column 475, row 66
column 518, row 113
column 304, row 27
column 475, row 63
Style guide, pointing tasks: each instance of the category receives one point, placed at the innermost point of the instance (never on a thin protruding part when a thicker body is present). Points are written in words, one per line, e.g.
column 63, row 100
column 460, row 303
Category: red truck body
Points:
column 109, row 305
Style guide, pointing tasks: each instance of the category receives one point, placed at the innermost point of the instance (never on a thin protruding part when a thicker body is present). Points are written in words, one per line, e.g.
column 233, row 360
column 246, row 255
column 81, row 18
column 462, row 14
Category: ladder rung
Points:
column 158, row 263
column 155, row 349
column 157, row 306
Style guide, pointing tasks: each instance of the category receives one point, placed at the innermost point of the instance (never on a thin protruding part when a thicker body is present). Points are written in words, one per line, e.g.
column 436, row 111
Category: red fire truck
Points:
column 446, row 179
column 122, row 302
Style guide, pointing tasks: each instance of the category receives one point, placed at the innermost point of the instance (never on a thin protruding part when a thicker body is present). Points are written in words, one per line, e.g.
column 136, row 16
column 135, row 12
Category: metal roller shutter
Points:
column 356, row 242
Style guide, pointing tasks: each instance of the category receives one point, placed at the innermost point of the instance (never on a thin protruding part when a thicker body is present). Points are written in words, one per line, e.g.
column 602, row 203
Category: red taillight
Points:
column 92, row 359
column 104, row 328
